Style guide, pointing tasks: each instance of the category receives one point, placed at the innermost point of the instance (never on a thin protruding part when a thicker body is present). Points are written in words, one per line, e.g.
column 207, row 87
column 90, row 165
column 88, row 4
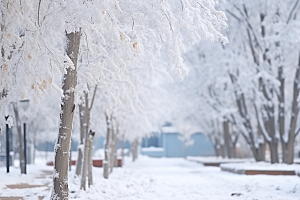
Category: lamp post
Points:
column 24, row 106
column 7, row 145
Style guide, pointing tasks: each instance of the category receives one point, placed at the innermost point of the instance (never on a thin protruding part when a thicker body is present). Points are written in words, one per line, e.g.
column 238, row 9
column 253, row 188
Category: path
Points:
column 33, row 186
column 177, row 179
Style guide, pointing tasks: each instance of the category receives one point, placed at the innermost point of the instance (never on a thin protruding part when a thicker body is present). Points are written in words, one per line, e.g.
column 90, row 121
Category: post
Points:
column 7, row 146
column 25, row 159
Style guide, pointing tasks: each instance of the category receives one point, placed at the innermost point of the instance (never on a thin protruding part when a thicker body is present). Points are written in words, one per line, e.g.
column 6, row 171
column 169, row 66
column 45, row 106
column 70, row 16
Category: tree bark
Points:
column 83, row 121
column 34, row 148
column 227, row 139
column 281, row 110
column 86, row 145
column 222, row 150
column 106, row 163
column 262, row 151
column 116, row 149
column 112, row 147
column 19, row 129
column 288, row 156
column 70, row 158
column 134, row 149
column 262, row 145
column 60, row 189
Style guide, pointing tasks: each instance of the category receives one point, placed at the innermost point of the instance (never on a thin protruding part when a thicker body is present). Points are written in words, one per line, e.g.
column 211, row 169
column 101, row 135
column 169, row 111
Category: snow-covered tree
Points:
column 49, row 33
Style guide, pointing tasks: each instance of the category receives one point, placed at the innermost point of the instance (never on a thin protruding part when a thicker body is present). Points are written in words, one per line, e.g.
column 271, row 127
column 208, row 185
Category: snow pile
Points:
column 214, row 159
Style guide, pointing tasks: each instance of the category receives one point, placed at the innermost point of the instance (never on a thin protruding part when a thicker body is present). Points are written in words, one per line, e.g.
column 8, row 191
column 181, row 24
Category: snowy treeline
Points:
column 250, row 87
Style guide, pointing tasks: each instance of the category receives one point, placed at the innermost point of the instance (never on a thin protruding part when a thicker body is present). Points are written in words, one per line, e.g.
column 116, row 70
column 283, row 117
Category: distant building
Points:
column 168, row 144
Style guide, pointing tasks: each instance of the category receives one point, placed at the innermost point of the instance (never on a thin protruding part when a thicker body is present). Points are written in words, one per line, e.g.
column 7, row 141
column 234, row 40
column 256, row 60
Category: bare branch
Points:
column 93, row 99
column 39, row 12
column 248, row 24
column 233, row 15
column 292, row 11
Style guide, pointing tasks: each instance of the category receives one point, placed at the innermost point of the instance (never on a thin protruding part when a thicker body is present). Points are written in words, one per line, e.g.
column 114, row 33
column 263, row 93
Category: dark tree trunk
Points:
column 227, row 139
column 20, row 138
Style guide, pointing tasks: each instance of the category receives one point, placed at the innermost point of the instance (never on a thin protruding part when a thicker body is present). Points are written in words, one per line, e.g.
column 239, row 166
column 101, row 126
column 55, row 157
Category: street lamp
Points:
column 9, row 153
column 24, row 105
column 7, row 145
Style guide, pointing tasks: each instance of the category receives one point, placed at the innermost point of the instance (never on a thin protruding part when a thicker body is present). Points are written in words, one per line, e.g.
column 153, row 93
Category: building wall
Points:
column 174, row 147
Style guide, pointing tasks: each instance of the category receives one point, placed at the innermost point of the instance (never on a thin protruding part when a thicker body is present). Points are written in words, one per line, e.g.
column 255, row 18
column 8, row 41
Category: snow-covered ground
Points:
column 166, row 179
column 171, row 179
column 37, row 176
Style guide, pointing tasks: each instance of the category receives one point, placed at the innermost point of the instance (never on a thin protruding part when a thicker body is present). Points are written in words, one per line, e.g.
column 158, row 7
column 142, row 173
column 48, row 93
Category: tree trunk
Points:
column 281, row 110
column 233, row 150
column 70, row 159
column 216, row 143
column 116, row 150
column 288, row 156
column 222, row 150
column 123, row 146
column 86, row 145
column 240, row 101
column 82, row 120
column 90, row 157
column 274, row 151
column 60, row 189
column 106, row 162
column 112, row 147
column 262, row 151
column 132, row 151
column 135, row 150
column 34, row 149
column 272, row 132
column 216, row 150
column 227, row 138
column 19, row 129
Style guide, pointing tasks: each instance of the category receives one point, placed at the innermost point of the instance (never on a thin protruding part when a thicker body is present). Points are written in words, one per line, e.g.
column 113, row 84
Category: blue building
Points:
column 168, row 144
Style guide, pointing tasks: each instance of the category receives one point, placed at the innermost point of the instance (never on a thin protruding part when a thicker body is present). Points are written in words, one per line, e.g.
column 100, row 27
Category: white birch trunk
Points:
column 112, row 148
column 106, row 162
column 116, row 151
column 86, row 146
column 135, row 150
column 60, row 190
